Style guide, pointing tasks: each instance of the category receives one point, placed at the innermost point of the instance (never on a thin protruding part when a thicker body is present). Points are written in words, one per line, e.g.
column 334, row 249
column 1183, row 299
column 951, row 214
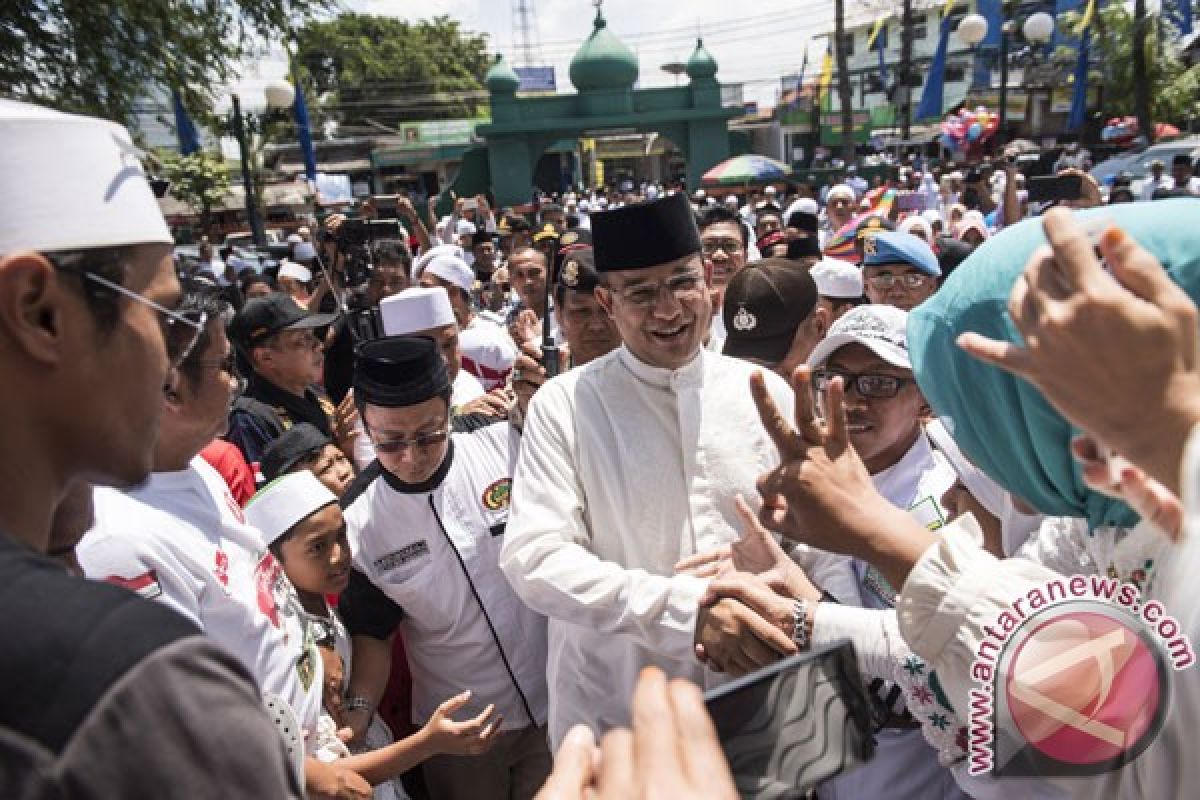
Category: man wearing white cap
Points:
column 839, row 286
column 487, row 350
column 116, row 694
column 181, row 540
column 839, row 209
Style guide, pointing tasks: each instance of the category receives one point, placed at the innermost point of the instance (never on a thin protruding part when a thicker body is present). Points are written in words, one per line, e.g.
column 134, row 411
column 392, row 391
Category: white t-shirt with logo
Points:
column 181, row 540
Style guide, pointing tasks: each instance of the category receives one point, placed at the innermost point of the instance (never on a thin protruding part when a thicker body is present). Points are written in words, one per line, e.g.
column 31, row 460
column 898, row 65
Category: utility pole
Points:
column 845, row 97
column 525, row 33
column 1141, row 87
column 906, row 31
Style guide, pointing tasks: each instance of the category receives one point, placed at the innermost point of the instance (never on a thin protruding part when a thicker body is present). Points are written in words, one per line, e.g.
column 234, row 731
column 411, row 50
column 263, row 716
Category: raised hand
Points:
column 1141, row 396
column 1114, row 476
column 821, row 493
column 672, row 752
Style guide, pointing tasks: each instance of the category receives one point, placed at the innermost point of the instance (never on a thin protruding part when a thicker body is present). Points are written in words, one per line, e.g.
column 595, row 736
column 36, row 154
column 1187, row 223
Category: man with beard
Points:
column 628, row 465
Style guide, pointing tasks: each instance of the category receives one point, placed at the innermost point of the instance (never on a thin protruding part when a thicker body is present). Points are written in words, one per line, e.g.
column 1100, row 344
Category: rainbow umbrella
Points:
column 745, row 170
column 841, row 244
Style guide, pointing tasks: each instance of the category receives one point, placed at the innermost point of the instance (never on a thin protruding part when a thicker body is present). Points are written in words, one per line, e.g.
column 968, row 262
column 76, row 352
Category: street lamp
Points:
column 279, row 94
column 1037, row 30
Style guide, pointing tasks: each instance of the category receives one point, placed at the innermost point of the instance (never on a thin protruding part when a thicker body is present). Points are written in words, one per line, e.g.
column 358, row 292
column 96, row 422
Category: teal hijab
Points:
column 1001, row 422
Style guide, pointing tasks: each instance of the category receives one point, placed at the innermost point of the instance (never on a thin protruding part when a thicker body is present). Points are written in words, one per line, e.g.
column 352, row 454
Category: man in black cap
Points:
column 277, row 341
column 630, row 464
column 483, row 254
column 772, row 315
column 425, row 522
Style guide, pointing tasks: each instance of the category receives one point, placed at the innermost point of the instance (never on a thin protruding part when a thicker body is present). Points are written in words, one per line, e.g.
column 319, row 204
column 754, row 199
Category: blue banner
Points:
column 185, row 130
column 1079, row 98
column 304, row 134
column 931, row 96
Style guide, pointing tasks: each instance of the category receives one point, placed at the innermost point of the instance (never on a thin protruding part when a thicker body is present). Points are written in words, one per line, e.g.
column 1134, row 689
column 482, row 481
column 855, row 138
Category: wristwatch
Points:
column 800, row 632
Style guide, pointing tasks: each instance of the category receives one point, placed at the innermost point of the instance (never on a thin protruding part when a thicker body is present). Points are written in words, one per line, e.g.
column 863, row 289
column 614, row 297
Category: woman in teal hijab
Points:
column 1002, row 423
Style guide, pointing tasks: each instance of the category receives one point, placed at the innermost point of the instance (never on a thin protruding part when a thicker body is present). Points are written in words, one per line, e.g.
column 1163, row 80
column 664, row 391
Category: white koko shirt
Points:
column 433, row 551
column 625, row 469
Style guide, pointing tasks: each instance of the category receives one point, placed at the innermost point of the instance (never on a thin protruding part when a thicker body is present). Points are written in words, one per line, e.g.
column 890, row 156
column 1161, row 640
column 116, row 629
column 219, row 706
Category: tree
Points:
column 1154, row 71
column 199, row 181
column 374, row 72
column 99, row 57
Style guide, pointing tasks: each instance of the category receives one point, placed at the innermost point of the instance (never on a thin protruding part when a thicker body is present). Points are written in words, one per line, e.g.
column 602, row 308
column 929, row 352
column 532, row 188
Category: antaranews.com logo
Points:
column 1073, row 678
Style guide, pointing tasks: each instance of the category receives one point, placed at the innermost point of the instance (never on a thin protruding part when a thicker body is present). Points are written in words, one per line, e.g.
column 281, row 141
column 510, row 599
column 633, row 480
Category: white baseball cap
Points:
column 837, row 278
column 74, row 183
column 880, row 328
column 416, row 309
column 286, row 502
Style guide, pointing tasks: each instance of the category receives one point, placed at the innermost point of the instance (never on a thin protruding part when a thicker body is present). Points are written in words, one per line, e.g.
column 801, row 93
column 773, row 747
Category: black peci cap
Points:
column 294, row 445
column 645, row 235
column 765, row 304
column 398, row 371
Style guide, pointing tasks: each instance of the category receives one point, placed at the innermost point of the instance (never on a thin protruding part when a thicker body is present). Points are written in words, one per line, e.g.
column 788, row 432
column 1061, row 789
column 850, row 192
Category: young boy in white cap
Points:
column 839, row 286
column 303, row 527
column 109, row 695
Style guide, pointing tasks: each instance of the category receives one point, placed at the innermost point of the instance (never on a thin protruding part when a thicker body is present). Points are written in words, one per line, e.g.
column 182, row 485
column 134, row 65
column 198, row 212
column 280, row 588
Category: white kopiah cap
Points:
column 74, row 183
column 416, row 310
column 285, row 502
column 299, row 272
column 453, row 269
column 420, row 262
column 880, row 328
column 836, row 278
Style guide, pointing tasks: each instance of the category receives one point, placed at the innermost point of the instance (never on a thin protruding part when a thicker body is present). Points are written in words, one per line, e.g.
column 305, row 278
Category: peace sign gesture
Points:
column 821, row 493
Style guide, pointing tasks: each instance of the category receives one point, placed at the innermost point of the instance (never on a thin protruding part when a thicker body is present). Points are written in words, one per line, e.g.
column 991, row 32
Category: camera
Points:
column 354, row 238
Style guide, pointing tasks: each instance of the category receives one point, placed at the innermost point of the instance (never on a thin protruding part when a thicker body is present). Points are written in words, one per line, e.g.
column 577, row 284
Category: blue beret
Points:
column 897, row 247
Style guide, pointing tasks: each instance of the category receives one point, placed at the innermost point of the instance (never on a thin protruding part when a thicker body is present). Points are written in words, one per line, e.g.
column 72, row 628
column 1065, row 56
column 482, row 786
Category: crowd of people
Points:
column 477, row 507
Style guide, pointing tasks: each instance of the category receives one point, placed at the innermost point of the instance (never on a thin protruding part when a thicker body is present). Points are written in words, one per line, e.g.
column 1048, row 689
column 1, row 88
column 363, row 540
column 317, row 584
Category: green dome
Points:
column 501, row 79
column 603, row 62
column 701, row 65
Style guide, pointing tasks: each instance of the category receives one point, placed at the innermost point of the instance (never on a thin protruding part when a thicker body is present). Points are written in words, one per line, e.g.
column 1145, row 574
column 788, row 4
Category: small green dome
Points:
column 701, row 65
column 501, row 79
column 604, row 61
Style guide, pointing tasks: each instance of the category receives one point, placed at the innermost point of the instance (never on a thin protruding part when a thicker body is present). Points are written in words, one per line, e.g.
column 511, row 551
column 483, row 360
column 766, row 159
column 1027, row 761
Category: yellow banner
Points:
column 826, row 75
column 946, row 9
column 879, row 23
column 1086, row 20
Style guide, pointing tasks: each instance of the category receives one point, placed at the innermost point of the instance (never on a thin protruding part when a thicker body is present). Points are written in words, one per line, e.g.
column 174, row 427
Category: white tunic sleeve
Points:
column 546, row 560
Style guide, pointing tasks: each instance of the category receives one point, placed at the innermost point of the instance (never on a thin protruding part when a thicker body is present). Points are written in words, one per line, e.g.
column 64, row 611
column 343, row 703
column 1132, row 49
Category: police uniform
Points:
column 264, row 411
column 426, row 561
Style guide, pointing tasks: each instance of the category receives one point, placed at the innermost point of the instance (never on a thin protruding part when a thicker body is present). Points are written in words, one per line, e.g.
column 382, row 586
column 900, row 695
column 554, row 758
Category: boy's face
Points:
column 882, row 429
column 316, row 557
column 333, row 469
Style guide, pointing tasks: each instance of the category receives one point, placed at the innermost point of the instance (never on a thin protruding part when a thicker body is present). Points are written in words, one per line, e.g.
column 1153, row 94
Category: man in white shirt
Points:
column 181, row 540
column 1156, row 181
column 1182, row 173
column 426, row 523
column 629, row 464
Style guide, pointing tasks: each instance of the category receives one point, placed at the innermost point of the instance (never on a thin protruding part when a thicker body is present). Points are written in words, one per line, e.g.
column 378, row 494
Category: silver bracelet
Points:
column 800, row 624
